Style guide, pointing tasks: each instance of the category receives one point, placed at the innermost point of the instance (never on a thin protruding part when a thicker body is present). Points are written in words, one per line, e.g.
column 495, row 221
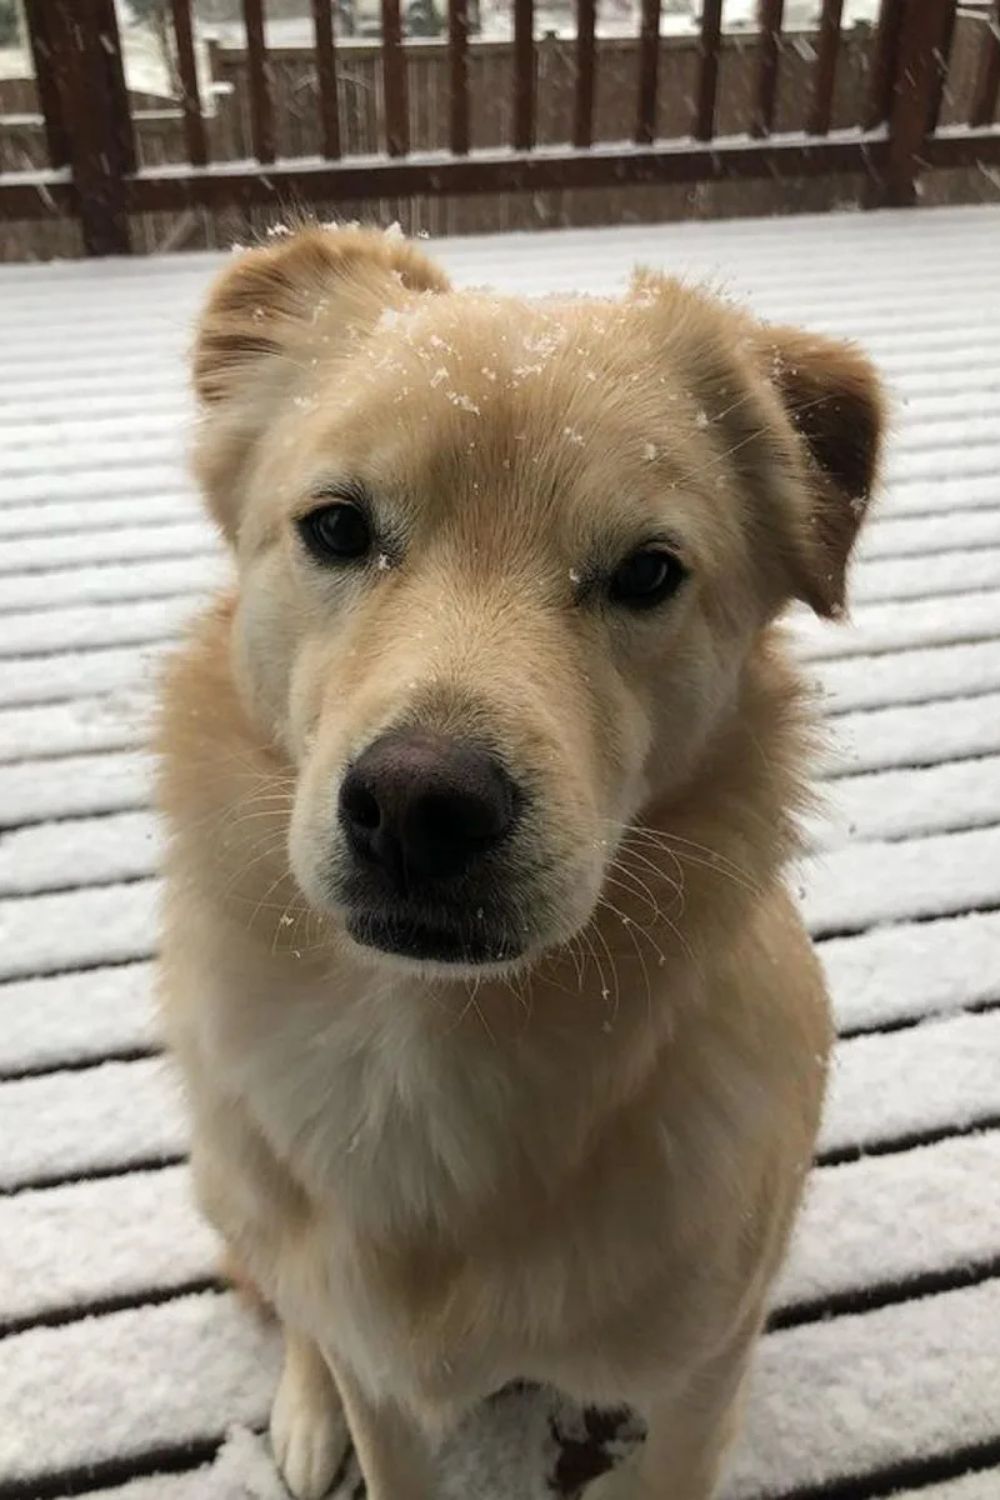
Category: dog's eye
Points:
column 646, row 578
column 339, row 532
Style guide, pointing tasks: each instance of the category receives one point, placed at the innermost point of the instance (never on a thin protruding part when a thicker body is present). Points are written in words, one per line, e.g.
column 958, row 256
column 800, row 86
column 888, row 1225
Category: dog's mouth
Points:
column 409, row 936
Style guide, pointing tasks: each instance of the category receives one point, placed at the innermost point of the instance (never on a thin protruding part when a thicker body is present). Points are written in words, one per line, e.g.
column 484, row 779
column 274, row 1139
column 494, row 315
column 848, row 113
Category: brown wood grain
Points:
column 523, row 138
column 583, row 102
column 397, row 108
column 194, row 124
column 770, row 16
column 825, row 70
column 708, row 70
column 458, row 76
column 326, row 78
column 261, row 108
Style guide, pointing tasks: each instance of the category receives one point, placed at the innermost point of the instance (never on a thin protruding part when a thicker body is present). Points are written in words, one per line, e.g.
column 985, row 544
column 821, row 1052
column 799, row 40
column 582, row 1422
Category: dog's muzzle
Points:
column 423, row 817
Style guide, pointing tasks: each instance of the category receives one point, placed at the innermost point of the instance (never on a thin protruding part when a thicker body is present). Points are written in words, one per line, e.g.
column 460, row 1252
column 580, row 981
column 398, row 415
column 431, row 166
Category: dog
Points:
column 503, row 1040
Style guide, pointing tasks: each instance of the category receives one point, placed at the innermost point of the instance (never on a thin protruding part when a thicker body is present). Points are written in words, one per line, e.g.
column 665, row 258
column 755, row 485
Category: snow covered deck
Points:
column 121, row 1361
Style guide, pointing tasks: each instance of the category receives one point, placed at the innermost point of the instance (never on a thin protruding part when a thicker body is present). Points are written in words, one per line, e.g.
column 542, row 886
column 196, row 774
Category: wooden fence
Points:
column 502, row 134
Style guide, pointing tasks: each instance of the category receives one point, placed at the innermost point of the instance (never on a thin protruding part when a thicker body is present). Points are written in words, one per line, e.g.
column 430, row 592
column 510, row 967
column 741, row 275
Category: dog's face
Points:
column 501, row 564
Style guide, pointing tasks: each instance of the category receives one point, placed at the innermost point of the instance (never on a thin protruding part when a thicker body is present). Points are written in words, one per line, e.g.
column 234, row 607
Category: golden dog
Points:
column 504, row 1044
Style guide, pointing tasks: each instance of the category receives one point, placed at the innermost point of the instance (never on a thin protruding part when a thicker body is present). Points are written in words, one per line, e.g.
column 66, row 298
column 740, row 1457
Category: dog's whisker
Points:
column 695, row 854
column 640, row 887
column 607, row 993
column 516, row 987
column 255, row 815
column 573, row 948
column 273, row 847
column 632, row 928
column 265, row 906
column 473, row 1001
column 655, row 913
column 675, row 884
column 585, row 937
column 666, row 836
column 259, row 803
column 695, row 861
column 616, row 1004
column 635, row 847
column 286, row 910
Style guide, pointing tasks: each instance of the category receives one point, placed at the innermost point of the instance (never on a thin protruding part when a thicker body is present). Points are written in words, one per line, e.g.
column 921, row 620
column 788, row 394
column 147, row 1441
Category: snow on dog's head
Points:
column 501, row 564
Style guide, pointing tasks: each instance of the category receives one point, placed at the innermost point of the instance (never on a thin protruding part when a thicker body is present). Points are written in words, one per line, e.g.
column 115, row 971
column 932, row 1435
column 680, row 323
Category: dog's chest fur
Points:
column 398, row 1123
column 376, row 1138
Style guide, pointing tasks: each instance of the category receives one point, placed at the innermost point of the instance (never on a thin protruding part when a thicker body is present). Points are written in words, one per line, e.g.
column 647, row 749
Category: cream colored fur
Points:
column 579, row 1168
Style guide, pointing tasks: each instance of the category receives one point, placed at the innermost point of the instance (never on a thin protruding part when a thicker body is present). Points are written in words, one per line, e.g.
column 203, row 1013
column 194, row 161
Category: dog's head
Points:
column 501, row 564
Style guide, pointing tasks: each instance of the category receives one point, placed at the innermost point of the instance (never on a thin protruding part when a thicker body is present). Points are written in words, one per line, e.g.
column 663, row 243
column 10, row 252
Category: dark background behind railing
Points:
column 445, row 136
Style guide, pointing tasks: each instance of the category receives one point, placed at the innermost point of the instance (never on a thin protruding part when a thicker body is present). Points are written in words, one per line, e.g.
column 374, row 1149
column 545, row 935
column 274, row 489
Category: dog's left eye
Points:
column 340, row 532
column 646, row 578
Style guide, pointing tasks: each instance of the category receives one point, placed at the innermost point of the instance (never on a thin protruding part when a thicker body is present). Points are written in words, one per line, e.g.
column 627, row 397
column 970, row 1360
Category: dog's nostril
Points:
column 360, row 805
column 420, row 805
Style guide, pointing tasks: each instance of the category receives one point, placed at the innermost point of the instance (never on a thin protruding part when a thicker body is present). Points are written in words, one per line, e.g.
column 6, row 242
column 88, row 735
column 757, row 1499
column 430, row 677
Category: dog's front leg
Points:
column 688, row 1436
column 394, row 1454
column 308, row 1427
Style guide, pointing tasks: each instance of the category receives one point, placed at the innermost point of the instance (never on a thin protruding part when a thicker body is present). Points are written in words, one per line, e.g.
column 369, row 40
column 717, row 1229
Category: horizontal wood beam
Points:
column 46, row 194
column 243, row 184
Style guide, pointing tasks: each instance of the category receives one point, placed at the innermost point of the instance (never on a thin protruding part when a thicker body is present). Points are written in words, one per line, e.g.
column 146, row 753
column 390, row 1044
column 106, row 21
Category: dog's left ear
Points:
column 834, row 400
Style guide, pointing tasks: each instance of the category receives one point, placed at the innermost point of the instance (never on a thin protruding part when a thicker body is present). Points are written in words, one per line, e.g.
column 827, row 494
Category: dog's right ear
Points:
column 275, row 302
column 274, row 318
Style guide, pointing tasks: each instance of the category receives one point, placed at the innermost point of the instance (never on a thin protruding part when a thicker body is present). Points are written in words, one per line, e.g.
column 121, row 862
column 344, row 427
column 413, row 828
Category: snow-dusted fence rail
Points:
column 93, row 174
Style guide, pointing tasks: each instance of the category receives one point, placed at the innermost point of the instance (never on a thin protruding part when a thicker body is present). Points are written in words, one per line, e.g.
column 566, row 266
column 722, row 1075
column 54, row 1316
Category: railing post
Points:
column 984, row 99
column 922, row 34
column 84, row 58
column 524, row 75
column 38, row 20
column 395, row 81
column 187, row 67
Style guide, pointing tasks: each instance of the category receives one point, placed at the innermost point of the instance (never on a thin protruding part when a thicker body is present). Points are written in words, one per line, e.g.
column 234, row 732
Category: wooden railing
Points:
column 93, row 176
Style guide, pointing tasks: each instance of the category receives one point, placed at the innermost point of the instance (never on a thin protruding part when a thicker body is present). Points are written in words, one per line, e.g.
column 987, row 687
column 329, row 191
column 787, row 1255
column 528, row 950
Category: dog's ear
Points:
column 274, row 303
column 802, row 417
column 834, row 401
column 274, row 318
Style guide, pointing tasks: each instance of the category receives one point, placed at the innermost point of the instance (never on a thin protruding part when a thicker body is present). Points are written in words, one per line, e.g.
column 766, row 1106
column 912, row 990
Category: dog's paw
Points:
column 309, row 1434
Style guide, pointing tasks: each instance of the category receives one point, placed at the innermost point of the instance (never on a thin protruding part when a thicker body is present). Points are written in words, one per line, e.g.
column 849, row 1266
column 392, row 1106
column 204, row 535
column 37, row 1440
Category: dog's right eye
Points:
column 339, row 532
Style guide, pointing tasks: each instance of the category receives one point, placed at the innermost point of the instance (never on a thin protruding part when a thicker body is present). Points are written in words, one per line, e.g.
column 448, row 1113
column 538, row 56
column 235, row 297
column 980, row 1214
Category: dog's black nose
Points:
column 422, row 805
